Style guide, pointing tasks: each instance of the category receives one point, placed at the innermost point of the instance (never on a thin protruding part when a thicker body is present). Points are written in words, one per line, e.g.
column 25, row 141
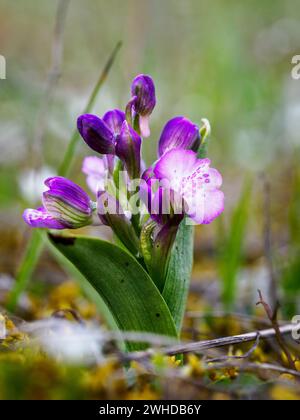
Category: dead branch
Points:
column 201, row 346
column 227, row 341
column 243, row 356
column 273, row 319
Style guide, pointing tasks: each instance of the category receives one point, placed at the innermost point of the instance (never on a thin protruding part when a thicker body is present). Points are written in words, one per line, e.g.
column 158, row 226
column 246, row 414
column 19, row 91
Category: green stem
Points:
column 177, row 281
column 161, row 253
column 35, row 244
column 30, row 259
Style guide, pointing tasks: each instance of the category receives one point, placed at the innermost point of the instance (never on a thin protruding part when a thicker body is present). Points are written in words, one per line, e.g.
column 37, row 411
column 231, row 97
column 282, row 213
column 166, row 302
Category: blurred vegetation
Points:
column 227, row 61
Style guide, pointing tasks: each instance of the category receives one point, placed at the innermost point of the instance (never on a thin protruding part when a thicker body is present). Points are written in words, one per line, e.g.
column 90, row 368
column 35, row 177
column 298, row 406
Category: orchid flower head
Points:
column 96, row 133
column 143, row 101
column 65, row 206
column 189, row 181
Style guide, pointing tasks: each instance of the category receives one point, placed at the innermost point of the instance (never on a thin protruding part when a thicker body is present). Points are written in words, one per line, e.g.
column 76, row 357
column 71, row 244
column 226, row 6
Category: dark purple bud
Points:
column 128, row 149
column 143, row 102
column 114, row 120
column 180, row 133
column 96, row 133
column 143, row 88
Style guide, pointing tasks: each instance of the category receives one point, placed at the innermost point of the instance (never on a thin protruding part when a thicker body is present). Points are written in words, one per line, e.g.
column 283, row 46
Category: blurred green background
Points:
column 227, row 61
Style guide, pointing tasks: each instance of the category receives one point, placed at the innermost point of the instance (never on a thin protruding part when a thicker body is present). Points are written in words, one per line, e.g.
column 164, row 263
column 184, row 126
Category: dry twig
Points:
column 201, row 346
column 273, row 318
column 243, row 356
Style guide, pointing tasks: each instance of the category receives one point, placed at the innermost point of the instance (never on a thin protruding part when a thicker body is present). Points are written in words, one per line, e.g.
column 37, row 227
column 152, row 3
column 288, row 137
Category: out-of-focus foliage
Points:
column 43, row 360
column 231, row 245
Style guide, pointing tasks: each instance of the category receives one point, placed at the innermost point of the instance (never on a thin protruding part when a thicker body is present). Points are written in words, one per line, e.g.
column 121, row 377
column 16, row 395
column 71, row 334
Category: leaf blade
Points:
column 123, row 284
column 179, row 273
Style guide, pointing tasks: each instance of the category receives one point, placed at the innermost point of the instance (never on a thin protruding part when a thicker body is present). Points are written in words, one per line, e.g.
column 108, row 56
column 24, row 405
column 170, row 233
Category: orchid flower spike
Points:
column 65, row 206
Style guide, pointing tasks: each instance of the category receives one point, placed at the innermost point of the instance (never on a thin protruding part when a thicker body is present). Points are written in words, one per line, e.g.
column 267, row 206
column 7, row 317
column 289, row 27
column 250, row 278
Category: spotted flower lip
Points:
column 65, row 205
column 96, row 133
column 179, row 132
column 193, row 182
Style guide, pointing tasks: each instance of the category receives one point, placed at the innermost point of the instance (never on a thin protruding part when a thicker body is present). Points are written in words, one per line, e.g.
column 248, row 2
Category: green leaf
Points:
column 84, row 285
column 122, row 283
column 179, row 273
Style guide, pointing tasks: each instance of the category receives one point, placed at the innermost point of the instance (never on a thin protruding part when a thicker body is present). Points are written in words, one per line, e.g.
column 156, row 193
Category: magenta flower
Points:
column 96, row 133
column 179, row 132
column 65, row 206
column 192, row 187
column 101, row 134
column 143, row 101
column 111, row 136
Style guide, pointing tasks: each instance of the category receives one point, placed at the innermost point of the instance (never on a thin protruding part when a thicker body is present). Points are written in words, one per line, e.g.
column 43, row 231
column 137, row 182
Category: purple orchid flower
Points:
column 96, row 133
column 193, row 187
column 111, row 136
column 143, row 101
column 179, row 132
column 65, row 206
column 178, row 184
column 101, row 134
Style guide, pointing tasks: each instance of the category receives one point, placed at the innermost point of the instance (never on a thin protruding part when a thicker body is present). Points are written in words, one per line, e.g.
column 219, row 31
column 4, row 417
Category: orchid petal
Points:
column 114, row 120
column 67, row 191
column 96, row 133
column 39, row 218
column 143, row 88
column 179, row 132
column 128, row 149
